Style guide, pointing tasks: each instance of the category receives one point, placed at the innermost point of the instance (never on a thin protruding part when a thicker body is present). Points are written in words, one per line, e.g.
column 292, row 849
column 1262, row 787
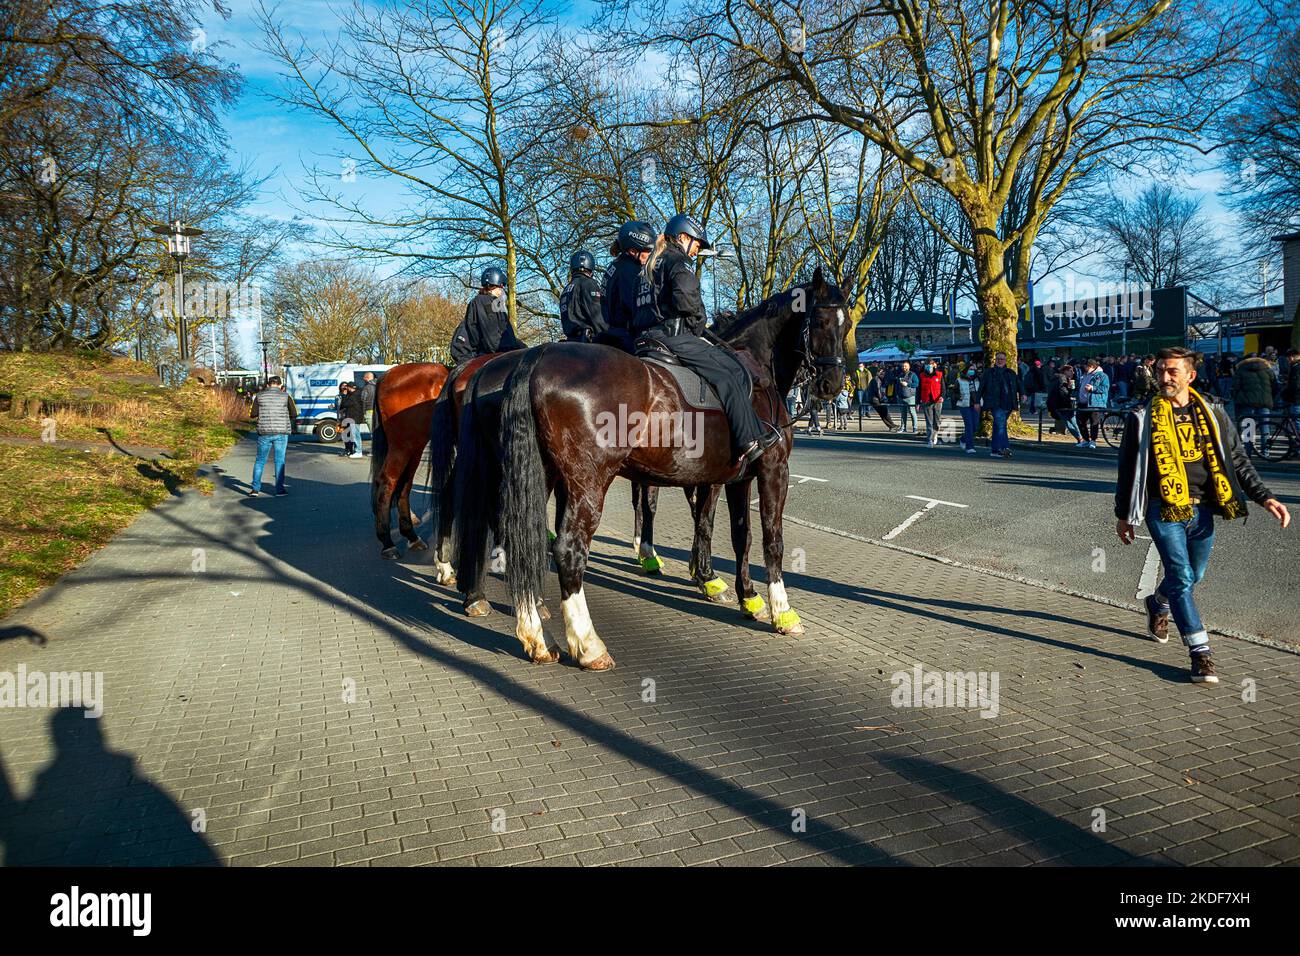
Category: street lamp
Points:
column 178, row 245
column 263, row 343
column 717, row 253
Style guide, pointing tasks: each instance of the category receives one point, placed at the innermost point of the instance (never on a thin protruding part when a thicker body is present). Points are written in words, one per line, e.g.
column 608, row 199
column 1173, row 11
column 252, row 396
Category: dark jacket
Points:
column 1000, row 389
column 367, row 393
column 580, row 309
column 1131, row 488
column 625, row 286
column 905, row 387
column 675, row 306
column 1291, row 390
column 1252, row 384
column 485, row 330
column 352, row 406
column 1060, row 396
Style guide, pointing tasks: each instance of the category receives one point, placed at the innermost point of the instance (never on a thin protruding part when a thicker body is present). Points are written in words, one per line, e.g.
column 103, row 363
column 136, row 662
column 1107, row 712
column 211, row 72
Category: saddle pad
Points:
column 696, row 392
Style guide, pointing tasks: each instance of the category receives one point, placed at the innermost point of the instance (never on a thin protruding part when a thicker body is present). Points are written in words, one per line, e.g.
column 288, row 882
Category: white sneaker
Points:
column 970, row 451
column 356, row 454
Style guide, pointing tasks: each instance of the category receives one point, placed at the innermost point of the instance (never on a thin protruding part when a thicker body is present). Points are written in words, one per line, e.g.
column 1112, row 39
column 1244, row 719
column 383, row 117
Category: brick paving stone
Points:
column 224, row 690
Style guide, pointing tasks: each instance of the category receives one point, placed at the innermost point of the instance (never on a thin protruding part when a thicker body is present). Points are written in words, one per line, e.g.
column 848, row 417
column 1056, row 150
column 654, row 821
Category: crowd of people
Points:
column 1074, row 392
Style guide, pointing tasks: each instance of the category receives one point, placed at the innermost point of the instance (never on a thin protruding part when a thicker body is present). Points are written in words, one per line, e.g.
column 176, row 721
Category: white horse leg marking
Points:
column 528, row 628
column 777, row 598
column 579, row 632
column 636, row 544
column 645, row 549
column 446, row 573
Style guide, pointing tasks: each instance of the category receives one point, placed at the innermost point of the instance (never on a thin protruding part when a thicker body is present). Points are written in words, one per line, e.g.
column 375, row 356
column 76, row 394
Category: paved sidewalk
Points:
column 298, row 701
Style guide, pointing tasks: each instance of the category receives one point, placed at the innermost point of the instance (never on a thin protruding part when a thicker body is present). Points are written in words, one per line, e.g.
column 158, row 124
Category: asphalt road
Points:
column 1046, row 515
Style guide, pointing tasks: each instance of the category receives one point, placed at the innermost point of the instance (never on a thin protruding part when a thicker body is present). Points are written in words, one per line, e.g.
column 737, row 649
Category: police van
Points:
column 315, row 390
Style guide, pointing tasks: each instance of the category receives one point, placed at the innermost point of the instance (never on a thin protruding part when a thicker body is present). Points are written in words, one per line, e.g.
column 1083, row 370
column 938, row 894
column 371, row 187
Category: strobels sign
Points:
column 1087, row 306
column 1081, row 309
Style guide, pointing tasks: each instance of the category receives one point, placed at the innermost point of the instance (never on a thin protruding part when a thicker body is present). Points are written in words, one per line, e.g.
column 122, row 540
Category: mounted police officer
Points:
column 486, row 328
column 580, row 305
column 625, row 284
column 673, row 312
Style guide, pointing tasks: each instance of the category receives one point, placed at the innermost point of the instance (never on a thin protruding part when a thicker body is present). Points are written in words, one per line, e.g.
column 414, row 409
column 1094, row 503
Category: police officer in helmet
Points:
column 486, row 328
column 674, row 315
column 580, row 305
column 625, row 283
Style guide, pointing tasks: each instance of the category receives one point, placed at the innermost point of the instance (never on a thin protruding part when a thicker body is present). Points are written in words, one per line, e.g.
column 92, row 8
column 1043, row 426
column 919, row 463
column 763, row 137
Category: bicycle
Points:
column 1273, row 438
column 1112, row 423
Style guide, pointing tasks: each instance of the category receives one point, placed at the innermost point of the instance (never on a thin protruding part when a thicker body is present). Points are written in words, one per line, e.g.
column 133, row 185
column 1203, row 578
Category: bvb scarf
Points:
column 1175, row 497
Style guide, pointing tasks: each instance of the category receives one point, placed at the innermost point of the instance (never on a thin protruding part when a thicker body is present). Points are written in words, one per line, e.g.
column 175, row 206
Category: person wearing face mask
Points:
column 930, row 398
column 673, row 313
column 968, row 403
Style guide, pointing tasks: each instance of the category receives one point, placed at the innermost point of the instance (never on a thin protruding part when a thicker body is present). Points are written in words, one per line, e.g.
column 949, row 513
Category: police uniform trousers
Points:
column 721, row 368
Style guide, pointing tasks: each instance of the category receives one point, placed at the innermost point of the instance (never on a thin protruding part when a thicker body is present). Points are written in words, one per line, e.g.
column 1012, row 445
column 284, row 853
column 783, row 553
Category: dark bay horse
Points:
column 574, row 417
column 404, row 402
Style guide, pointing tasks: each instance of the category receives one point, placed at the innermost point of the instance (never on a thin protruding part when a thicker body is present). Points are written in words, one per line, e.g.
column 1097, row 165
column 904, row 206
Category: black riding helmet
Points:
column 582, row 261
column 636, row 236
column 685, row 223
column 492, row 276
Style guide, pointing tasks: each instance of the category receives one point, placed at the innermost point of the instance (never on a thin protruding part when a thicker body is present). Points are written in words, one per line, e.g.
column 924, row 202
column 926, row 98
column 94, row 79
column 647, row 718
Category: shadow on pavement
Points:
column 90, row 807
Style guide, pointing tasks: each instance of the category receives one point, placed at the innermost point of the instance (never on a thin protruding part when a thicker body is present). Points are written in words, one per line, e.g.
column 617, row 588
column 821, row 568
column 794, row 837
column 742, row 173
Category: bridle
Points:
column 809, row 364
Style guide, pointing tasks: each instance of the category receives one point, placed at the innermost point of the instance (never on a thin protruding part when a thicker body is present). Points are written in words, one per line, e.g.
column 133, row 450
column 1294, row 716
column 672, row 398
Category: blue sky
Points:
column 278, row 143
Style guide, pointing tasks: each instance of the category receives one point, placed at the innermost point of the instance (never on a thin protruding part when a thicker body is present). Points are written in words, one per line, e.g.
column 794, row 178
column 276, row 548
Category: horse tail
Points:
column 378, row 454
column 473, row 514
column 523, row 503
column 442, row 455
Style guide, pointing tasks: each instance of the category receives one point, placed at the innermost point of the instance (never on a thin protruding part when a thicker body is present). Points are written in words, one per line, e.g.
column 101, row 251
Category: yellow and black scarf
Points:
column 1175, row 496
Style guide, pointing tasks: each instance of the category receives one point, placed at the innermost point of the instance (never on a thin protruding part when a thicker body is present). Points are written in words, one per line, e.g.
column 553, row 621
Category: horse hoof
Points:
column 602, row 663
column 417, row 545
column 787, row 622
column 714, row 590
column 389, row 554
column 755, row 608
column 543, row 611
column 549, row 657
column 480, row 608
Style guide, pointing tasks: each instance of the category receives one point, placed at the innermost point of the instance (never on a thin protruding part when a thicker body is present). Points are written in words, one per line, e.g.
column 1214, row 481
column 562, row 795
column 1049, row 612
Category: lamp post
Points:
column 263, row 343
column 717, row 253
column 1128, row 304
column 178, row 245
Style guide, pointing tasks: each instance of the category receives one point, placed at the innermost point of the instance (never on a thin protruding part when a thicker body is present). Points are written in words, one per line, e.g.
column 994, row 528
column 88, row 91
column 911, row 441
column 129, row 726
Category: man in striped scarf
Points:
column 1180, row 464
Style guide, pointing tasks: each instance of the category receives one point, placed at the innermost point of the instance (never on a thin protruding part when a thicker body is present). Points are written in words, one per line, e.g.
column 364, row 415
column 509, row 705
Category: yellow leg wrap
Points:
column 651, row 564
column 752, row 605
column 714, row 588
column 786, row 621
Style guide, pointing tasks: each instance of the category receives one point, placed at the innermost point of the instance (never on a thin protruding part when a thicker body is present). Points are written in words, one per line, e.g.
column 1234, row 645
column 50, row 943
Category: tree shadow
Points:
column 91, row 807
column 23, row 632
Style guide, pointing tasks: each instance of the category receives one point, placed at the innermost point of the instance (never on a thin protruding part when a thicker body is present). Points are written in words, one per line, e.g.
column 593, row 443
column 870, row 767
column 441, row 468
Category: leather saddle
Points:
column 697, row 394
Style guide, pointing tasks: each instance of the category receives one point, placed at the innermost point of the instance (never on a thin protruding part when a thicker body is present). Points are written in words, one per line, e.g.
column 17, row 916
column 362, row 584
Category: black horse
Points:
column 554, row 412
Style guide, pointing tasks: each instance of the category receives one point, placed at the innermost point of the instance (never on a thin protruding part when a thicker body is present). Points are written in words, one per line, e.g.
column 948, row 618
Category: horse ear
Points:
column 818, row 282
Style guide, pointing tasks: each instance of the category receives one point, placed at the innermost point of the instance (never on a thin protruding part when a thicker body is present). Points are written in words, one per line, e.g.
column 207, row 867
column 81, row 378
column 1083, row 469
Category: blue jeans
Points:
column 970, row 418
column 909, row 418
column 1184, row 548
column 1000, row 440
column 264, row 445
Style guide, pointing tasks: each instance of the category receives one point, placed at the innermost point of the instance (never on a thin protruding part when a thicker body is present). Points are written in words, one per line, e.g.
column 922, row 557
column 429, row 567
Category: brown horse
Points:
column 568, row 426
column 404, row 402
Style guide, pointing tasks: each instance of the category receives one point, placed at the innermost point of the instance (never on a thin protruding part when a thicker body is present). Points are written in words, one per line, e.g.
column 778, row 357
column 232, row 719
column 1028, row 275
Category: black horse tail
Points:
column 473, row 515
column 523, row 500
column 442, row 455
column 378, row 453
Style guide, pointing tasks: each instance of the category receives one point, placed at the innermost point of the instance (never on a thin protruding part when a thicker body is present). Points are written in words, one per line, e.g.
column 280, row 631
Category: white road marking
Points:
column 1147, row 583
column 931, row 504
column 805, row 478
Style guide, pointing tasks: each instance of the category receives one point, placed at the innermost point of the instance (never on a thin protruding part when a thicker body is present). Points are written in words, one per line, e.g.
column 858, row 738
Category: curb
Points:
column 1034, row 582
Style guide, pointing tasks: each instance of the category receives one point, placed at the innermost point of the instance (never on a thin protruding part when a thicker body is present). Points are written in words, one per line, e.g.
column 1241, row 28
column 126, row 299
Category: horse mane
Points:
column 734, row 331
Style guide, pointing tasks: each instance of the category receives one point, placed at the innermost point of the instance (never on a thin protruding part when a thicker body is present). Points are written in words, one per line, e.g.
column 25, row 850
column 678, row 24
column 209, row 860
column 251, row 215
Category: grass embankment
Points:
column 57, row 505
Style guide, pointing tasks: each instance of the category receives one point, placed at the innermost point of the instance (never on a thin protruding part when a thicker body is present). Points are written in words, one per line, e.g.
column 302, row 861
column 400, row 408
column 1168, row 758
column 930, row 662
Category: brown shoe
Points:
column 1157, row 620
column 1203, row 669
